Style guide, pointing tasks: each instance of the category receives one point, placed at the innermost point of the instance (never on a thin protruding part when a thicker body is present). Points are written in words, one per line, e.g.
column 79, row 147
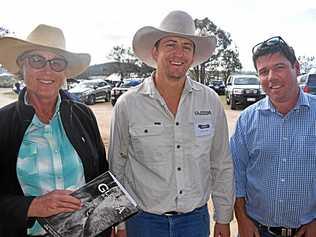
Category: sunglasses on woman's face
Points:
column 273, row 42
column 37, row 62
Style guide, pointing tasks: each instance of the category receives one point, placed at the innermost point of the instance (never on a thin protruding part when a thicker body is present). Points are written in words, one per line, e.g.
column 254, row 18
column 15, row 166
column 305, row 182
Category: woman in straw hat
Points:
column 169, row 138
column 49, row 144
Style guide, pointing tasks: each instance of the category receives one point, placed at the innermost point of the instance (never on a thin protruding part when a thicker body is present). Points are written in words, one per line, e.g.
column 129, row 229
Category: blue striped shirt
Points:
column 47, row 161
column 275, row 162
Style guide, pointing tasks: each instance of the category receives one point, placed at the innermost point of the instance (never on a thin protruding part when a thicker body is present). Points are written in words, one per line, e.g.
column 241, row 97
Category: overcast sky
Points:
column 96, row 26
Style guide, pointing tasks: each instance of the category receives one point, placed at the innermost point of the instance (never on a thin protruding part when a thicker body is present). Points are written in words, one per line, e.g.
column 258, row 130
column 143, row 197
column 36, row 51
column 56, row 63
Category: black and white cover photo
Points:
column 105, row 204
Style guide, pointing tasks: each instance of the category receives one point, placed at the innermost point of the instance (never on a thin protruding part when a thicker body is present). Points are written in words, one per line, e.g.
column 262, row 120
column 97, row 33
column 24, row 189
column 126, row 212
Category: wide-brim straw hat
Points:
column 43, row 37
column 176, row 23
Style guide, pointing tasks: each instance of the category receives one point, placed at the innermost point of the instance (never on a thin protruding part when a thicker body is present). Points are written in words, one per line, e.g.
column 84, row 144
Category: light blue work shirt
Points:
column 47, row 160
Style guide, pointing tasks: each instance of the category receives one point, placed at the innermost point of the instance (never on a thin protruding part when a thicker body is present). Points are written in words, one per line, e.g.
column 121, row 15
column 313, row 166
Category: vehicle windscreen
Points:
column 246, row 81
column 217, row 83
column 127, row 84
column 312, row 79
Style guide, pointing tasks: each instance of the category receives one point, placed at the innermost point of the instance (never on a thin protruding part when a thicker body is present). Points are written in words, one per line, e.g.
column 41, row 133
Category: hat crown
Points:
column 179, row 22
column 47, row 36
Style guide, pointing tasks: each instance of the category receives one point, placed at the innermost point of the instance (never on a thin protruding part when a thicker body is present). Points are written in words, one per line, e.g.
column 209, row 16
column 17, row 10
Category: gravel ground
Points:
column 103, row 113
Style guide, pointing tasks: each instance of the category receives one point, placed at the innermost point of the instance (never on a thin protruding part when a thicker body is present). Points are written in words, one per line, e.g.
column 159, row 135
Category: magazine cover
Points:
column 105, row 203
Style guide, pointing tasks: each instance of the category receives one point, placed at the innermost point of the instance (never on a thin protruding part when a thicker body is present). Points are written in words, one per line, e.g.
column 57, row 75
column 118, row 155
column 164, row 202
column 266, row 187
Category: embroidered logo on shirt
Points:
column 203, row 112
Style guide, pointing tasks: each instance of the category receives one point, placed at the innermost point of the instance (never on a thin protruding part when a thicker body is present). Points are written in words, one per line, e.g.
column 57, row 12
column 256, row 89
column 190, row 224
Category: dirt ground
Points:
column 103, row 113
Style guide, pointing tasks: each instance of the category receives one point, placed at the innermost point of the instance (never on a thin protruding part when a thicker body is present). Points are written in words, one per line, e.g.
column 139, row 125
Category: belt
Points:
column 174, row 213
column 279, row 231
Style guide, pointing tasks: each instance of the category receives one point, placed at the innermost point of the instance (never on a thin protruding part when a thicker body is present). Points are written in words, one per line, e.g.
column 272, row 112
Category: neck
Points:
column 286, row 106
column 169, row 86
column 170, row 90
column 44, row 109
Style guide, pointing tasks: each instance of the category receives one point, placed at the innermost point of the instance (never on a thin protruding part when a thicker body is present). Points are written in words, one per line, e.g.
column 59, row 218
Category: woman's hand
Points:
column 53, row 203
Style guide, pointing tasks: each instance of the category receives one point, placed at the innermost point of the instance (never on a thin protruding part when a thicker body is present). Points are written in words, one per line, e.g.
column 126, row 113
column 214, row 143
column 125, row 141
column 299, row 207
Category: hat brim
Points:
column 145, row 38
column 11, row 48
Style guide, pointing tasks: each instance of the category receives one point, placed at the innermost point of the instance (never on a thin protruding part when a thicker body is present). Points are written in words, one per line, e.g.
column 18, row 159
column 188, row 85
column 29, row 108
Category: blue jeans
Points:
column 192, row 224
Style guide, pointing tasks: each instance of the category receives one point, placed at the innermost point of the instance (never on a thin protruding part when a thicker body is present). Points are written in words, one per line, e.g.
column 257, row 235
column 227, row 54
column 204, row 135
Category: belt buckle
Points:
column 171, row 213
column 285, row 232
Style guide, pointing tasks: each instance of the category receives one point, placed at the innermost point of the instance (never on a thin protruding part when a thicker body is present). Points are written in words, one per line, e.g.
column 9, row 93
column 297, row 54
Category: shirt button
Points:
column 177, row 123
column 282, row 180
column 180, row 191
column 179, row 169
column 178, row 146
column 145, row 131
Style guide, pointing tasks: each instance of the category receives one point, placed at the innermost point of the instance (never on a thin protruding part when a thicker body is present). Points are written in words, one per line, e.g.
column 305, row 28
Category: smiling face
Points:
column 278, row 78
column 44, row 83
column 174, row 56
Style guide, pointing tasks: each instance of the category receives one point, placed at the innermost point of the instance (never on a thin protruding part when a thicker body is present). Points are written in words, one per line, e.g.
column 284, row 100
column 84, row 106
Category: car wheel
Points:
column 91, row 100
column 107, row 97
column 227, row 100
column 233, row 105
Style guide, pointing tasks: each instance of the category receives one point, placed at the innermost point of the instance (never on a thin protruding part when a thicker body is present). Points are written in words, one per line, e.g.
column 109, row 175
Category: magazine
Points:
column 105, row 204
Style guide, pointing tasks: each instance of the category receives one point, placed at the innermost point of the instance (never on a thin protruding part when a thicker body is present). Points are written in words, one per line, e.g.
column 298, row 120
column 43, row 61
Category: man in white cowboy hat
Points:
column 169, row 138
column 49, row 144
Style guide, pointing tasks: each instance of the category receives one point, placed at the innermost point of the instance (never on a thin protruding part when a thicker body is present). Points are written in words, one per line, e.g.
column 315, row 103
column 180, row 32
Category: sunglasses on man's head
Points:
column 37, row 62
column 273, row 42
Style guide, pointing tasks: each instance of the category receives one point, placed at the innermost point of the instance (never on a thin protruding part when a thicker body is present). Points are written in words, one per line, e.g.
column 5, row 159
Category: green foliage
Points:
column 225, row 59
column 306, row 63
column 126, row 58
column 3, row 31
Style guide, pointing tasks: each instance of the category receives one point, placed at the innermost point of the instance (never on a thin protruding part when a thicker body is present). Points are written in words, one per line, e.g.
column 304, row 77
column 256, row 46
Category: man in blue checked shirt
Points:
column 274, row 151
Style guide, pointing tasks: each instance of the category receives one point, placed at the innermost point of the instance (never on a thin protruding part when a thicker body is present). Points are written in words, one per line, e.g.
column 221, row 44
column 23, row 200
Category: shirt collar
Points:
column 301, row 102
column 35, row 119
column 148, row 86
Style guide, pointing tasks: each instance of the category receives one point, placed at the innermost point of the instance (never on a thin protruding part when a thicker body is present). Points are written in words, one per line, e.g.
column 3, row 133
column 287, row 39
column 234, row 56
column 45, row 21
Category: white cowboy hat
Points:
column 43, row 37
column 176, row 23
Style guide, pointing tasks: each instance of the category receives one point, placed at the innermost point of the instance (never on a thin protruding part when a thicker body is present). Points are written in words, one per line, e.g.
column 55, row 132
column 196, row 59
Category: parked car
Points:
column 122, row 87
column 243, row 90
column 308, row 83
column 218, row 86
column 89, row 91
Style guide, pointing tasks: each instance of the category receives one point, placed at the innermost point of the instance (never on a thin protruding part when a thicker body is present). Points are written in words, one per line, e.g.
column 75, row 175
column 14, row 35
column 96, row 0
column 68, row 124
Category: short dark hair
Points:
column 273, row 45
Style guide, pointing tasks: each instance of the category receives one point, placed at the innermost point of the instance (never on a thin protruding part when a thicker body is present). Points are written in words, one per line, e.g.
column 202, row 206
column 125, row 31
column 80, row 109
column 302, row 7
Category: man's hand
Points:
column 308, row 230
column 246, row 228
column 53, row 203
column 221, row 230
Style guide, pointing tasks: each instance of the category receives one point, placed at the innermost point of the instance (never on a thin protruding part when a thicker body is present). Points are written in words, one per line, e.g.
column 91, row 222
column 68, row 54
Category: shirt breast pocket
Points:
column 149, row 143
column 204, row 133
column 27, row 160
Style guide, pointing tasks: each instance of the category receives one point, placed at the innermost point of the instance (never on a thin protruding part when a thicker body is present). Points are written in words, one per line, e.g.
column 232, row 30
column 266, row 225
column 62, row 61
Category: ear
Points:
column 154, row 53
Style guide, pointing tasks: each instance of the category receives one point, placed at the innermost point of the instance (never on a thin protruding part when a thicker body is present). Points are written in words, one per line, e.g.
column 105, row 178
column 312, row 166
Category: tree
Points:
column 4, row 31
column 126, row 56
column 306, row 63
column 225, row 59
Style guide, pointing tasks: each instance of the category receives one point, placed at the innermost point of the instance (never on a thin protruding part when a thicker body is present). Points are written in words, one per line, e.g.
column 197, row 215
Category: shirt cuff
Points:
column 121, row 226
